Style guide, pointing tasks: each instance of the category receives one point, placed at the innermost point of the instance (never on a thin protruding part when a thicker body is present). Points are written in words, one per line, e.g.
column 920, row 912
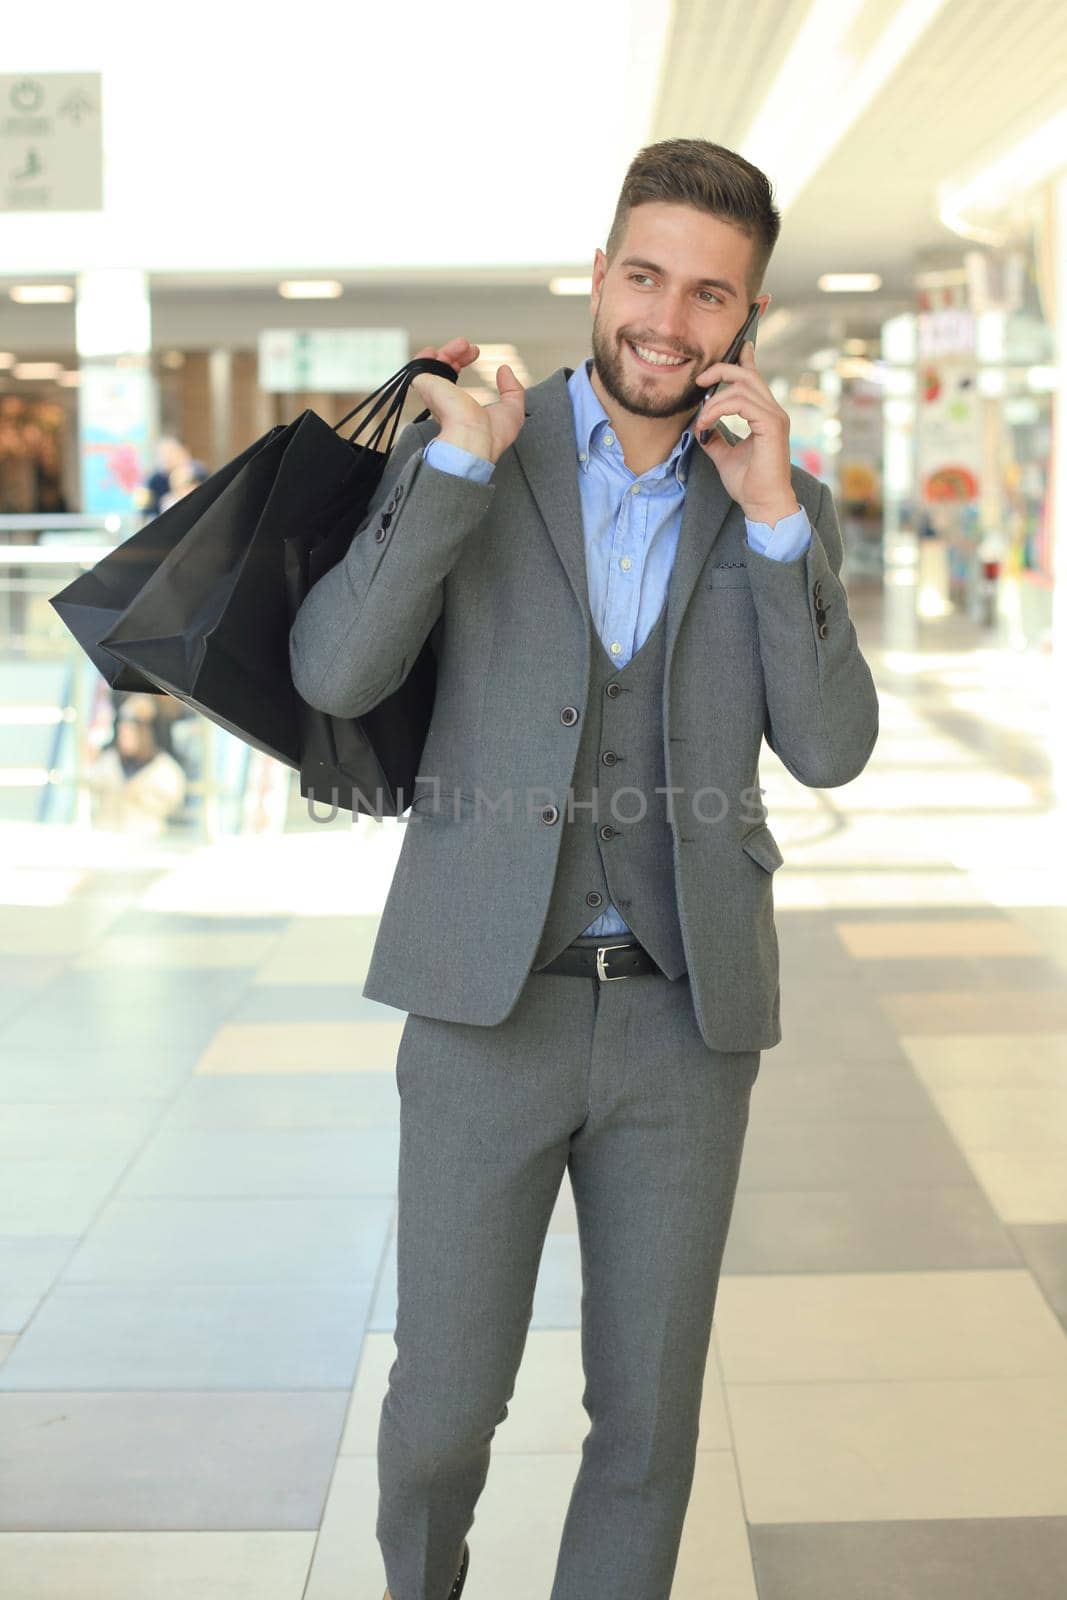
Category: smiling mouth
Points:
column 655, row 366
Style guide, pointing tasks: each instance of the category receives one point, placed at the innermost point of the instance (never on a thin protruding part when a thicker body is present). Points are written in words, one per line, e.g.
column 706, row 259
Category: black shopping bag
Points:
column 92, row 604
column 211, row 624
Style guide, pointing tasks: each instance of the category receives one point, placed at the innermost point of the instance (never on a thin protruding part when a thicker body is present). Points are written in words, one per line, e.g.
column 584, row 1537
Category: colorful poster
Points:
column 114, row 415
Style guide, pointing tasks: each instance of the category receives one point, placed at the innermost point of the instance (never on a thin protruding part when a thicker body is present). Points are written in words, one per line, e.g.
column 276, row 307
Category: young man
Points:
column 581, row 921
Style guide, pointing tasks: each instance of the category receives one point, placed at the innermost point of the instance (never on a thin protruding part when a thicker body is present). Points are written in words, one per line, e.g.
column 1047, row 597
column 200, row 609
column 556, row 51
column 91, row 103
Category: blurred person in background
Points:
column 136, row 786
column 172, row 458
column 183, row 480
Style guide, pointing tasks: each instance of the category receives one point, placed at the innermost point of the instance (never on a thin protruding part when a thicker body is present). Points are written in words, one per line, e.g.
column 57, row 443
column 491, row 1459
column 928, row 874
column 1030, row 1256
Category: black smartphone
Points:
column 748, row 331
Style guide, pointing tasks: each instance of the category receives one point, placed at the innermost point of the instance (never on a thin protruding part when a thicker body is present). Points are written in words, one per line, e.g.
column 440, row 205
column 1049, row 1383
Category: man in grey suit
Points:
column 622, row 606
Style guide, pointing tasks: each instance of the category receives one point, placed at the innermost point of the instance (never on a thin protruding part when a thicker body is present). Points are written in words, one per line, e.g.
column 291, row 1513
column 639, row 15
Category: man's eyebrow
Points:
column 650, row 266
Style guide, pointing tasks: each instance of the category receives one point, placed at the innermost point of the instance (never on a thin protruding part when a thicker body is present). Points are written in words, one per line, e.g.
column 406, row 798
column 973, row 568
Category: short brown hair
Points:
column 695, row 172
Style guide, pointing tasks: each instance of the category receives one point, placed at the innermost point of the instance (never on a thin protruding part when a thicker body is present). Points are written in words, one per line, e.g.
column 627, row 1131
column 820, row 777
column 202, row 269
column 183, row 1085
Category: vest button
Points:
column 379, row 535
column 550, row 814
column 609, row 758
column 568, row 716
column 613, row 690
column 594, row 899
column 607, row 831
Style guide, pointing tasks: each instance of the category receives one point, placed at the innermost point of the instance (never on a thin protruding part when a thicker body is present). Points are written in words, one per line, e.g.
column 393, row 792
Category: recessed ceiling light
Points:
column 849, row 282
column 38, row 294
column 311, row 289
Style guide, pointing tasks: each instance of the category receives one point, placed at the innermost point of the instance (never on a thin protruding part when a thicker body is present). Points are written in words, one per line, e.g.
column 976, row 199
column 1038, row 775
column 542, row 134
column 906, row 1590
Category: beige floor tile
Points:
column 846, row 1452
column 1026, row 1186
column 155, row 1566
column 347, row 1562
column 302, row 1047
column 989, row 1060
column 714, row 1558
column 957, row 1011
column 1008, row 1119
column 214, row 950
column 977, row 936
column 811, row 1327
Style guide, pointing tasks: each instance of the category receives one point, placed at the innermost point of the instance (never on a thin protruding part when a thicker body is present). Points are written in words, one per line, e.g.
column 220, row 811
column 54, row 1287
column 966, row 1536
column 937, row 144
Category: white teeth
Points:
column 656, row 359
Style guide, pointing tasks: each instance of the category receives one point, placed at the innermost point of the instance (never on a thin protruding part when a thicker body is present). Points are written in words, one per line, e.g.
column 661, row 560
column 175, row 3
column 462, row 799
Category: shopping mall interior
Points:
column 200, row 1117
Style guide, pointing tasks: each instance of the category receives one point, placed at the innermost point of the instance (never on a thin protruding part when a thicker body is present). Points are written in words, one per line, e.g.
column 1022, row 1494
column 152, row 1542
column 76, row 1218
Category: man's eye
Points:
column 636, row 276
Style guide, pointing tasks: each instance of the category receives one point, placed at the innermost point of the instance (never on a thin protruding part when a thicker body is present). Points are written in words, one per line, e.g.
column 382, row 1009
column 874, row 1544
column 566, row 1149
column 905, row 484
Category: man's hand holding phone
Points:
column 756, row 471
column 483, row 430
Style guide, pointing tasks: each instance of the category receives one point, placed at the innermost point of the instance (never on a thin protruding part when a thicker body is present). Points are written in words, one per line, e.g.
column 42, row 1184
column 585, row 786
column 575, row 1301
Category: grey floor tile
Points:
column 36, row 1130
column 869, row 1230
column 267, row 1161
column 987, row 1558
column 59, row 1196
column 956, row 973
column 119, row 1337
column 292, row 1240
column 151, row 992
column 76, row 1461
column 97, row 1073
column 311, row 1002
column 1044, row 1249
column 136, row 919
column 835, row 1091
column 272, row 1100
column 854, row 1155
column 29, row 1266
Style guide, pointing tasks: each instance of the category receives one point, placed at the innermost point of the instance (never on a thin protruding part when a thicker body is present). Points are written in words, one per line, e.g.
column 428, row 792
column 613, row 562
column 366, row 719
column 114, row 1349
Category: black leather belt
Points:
column 606, row 959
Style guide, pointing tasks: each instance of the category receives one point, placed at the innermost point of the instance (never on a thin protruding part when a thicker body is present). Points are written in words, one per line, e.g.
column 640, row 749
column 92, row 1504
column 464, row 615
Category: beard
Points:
column 638, row 390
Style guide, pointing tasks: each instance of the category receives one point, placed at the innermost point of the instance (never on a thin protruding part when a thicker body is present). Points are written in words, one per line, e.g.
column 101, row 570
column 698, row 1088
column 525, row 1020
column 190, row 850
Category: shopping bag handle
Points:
column 392, row 395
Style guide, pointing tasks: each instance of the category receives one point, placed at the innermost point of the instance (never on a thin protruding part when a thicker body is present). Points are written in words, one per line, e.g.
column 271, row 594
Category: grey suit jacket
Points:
column 495, row 575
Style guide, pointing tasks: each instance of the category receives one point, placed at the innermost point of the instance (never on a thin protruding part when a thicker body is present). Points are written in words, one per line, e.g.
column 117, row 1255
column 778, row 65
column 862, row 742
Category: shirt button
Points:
column 635, row 488
column 626, row 563
column 582, row 456
column 616, row 647
column 609, row 438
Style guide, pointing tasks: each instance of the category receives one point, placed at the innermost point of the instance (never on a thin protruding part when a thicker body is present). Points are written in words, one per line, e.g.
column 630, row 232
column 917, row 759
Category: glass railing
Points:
column 158, row 770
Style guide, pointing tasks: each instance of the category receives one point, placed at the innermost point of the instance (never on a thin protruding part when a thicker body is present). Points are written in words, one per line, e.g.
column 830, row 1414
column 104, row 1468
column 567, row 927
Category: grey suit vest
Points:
column 617, row 843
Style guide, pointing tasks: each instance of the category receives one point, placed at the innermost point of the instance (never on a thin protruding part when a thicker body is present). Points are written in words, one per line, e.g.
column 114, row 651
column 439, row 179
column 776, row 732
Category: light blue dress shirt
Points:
column 631, row 526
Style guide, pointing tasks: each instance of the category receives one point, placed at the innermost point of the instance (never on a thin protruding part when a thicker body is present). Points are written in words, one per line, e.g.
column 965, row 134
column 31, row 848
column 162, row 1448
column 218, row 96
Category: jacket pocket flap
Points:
column 762, row 846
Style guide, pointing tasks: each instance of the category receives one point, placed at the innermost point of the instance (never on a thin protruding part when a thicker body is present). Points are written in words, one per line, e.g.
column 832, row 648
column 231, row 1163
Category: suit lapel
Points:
column 547, row 452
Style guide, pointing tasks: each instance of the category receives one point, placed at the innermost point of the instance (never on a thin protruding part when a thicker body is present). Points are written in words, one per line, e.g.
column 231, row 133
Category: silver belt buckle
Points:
column 600, row 972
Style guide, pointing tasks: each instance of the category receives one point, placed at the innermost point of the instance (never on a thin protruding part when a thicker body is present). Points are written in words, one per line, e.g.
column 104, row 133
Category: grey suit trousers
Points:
column 613, row 1082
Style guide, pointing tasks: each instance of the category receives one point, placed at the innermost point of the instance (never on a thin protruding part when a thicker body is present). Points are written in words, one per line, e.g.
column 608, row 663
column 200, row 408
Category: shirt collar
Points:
column 591, row 422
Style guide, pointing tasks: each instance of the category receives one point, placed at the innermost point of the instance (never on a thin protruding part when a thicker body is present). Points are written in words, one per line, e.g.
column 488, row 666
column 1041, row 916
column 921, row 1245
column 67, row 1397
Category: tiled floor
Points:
column 199, row 1133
